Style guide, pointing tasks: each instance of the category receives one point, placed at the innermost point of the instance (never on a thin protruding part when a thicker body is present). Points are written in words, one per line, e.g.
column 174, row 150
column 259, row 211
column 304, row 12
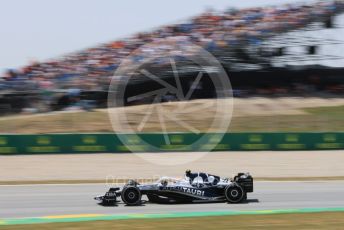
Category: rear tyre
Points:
column 234, row 193
column 131, row 195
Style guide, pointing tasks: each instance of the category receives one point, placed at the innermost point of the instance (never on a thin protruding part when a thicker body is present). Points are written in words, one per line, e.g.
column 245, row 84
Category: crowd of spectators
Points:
column 92, row 68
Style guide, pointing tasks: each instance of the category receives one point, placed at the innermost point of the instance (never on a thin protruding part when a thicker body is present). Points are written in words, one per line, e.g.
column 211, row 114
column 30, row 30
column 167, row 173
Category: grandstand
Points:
column 254, row 45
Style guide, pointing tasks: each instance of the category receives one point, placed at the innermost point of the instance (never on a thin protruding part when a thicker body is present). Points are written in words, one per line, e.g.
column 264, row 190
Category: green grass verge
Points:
column 315, row 119
column 326, row 220
column 332, row 111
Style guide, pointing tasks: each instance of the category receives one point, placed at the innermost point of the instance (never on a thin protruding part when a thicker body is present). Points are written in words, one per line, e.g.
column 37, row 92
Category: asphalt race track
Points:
column 48, row 200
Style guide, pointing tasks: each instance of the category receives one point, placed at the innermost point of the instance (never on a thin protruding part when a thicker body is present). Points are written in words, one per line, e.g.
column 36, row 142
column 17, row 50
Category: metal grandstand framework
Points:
column 315, row 44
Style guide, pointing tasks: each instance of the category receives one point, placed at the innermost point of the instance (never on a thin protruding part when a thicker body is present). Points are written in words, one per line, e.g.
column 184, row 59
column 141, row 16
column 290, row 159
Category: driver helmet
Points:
column 188, row 172
column 211, row 179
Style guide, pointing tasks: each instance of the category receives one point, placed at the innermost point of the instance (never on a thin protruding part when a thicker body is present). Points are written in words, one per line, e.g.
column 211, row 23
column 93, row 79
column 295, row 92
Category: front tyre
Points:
column 131, row 195
column 234, row 193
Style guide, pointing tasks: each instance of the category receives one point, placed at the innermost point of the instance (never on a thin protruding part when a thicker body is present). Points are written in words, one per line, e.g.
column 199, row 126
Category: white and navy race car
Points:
column 196, row 187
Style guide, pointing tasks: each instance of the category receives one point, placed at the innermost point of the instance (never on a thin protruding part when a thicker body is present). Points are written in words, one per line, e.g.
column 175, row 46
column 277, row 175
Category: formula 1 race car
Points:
column 200, row 188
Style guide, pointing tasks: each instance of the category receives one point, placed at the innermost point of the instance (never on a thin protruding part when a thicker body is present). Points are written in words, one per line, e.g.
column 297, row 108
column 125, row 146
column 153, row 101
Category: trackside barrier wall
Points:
column 107, row 142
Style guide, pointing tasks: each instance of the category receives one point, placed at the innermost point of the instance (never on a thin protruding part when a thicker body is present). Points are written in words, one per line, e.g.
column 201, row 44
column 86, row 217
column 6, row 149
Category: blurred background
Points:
column 59, row 147
column 284, row 59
